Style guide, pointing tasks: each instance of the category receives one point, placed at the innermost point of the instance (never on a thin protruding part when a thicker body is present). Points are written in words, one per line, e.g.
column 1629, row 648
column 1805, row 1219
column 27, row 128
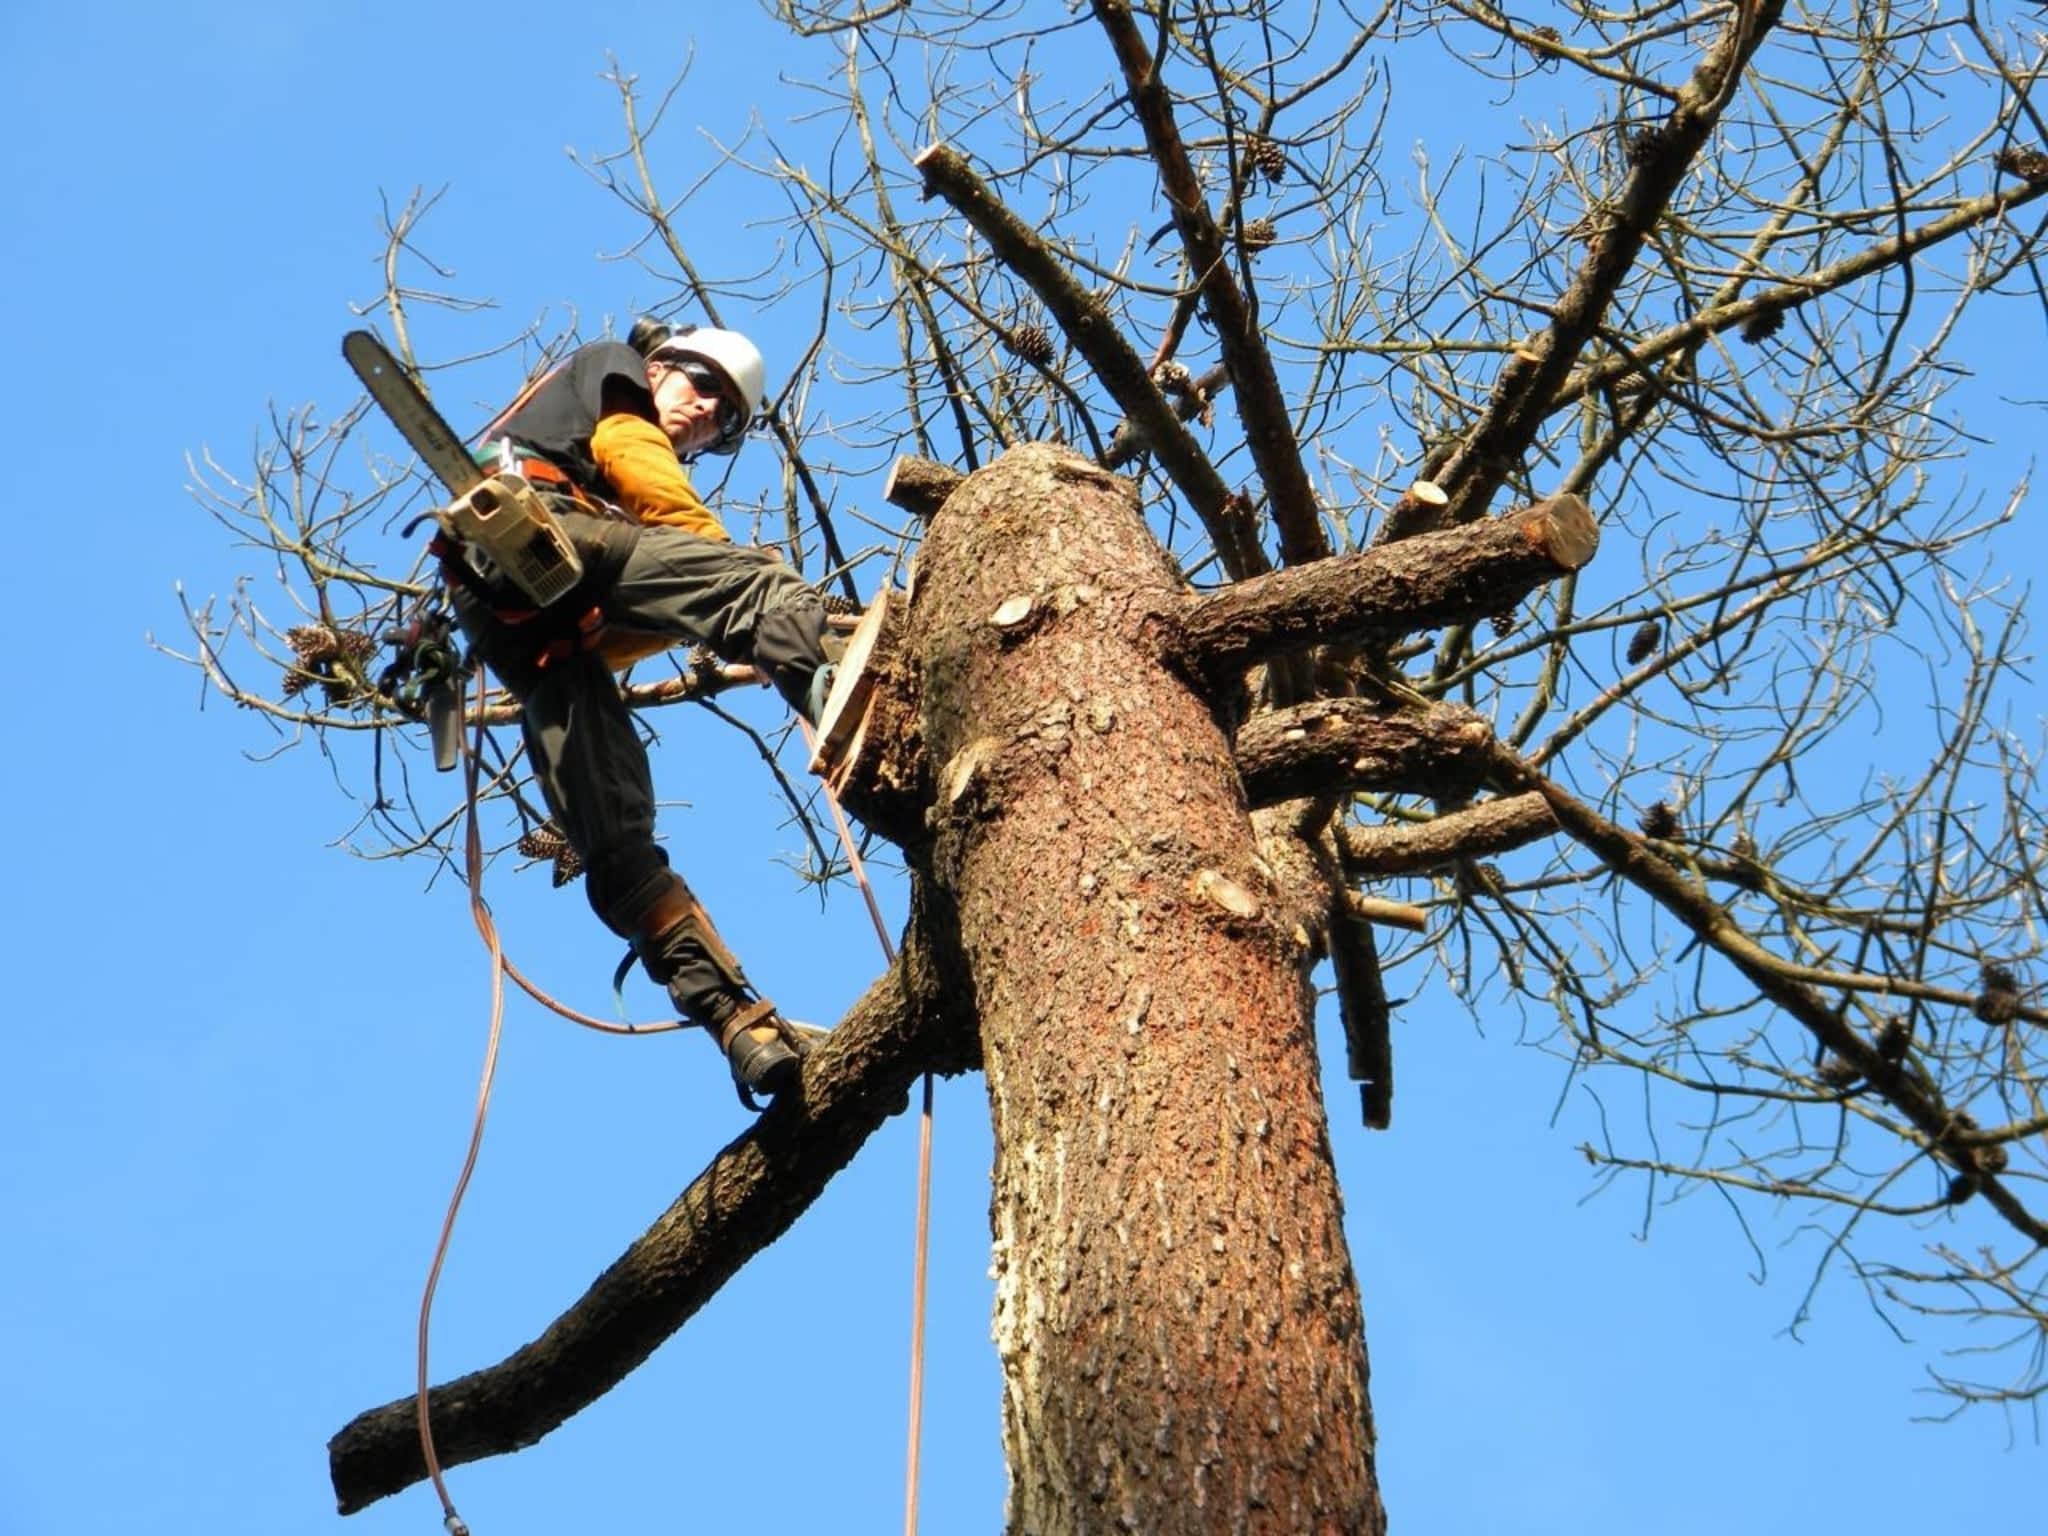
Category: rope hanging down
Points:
column 473, row 859
column 924, row 1171
column 501, row 967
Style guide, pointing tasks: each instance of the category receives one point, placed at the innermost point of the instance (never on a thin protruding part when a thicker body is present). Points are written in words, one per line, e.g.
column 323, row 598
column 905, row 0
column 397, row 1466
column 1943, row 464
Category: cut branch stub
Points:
column 1454, row 576
column 919, row 486
column 1013, row 611
column 1421, row 507
column 1392, row 914
column 1562, row 527
column 1338, row 744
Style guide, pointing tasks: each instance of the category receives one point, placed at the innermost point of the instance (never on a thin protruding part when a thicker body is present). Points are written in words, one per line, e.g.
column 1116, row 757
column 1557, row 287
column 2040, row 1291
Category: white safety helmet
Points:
column 738, row 376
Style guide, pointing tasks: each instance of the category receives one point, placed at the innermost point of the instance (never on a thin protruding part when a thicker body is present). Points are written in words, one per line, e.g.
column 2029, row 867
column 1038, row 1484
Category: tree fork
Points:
column 1123, row 373
column 1176, row 1312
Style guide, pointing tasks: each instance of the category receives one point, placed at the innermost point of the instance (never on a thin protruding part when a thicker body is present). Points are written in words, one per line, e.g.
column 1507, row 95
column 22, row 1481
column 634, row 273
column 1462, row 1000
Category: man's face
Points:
column 688, row 414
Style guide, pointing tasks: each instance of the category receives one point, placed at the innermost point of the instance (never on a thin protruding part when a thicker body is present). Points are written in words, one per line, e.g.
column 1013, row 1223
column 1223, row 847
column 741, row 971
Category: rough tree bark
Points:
column 1177, row 1318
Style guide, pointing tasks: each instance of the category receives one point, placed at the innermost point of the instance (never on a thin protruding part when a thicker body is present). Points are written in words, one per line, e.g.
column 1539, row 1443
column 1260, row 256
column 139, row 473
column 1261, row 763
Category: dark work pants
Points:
column 742, row 602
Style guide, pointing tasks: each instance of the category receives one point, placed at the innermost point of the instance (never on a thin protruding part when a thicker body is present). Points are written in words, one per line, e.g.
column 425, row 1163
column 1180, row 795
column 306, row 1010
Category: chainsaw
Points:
column 502, row 524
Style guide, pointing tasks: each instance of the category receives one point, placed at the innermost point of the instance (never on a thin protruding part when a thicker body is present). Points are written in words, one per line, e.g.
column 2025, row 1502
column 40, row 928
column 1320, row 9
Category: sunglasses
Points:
column 709, row 382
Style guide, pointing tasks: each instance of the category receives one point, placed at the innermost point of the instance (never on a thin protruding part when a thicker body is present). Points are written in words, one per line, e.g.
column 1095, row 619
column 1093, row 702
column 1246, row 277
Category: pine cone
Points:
column 1645, row 144
column 547, row 842
column 312, row 643
column 1999, row 1002
column 1267, row 158
column 1894, row 1036
column 2030, row 165
column 1838, row 1073
column 1762, row 326
column 1259, row 233
column 1480, row 879
column 1660, row 821
column 542, row 842
column 1644, row 642
column 315, row 645
column 1032, row 342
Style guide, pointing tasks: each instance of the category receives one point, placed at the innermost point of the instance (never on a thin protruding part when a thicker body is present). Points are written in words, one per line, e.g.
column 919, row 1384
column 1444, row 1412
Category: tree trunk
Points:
column 1177, row 1318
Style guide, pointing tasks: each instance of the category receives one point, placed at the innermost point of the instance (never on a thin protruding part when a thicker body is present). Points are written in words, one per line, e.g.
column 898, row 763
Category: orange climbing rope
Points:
column 473, row 857
column 924, row 1173
column 501, row 967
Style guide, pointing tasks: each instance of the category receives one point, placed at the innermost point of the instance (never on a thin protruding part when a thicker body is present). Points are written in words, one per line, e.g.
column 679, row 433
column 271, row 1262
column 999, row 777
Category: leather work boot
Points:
column 762, row 1060
column 683, row 952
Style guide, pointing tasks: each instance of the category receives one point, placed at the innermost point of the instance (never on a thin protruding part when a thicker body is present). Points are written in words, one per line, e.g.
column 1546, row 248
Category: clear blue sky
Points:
column 238, row 1067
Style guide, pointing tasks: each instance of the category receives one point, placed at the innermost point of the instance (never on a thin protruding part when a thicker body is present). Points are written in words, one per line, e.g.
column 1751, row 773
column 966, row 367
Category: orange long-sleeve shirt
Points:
column 638, row 460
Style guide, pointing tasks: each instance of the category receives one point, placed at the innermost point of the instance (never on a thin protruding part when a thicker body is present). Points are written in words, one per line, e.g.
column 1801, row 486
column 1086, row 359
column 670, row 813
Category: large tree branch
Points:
column 1261, row 403
column 1525, row 393
column 1473, row 832
column 1336, row 744
column 750, row 1195
column 1454, row 576
column 1783, row 296
column 1797, row 989
column 1116, row 363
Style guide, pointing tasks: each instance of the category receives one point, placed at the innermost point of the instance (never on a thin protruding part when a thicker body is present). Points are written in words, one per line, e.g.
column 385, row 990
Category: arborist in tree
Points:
column 608, row 435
